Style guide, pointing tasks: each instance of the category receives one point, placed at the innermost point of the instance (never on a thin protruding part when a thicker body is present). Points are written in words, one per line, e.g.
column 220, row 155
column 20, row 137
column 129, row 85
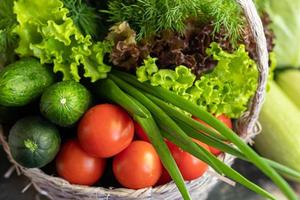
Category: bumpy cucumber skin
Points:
column 23, row 81
column 44, row 134
column 65, row 102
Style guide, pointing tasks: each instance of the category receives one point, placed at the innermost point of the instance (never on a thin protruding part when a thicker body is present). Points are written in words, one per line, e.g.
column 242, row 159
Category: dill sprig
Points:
column 148, row 17
column 226, row 14
column 84, row 17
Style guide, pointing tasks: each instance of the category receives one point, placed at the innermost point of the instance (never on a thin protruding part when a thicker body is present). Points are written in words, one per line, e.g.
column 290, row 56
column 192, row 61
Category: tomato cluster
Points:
column 107, row 131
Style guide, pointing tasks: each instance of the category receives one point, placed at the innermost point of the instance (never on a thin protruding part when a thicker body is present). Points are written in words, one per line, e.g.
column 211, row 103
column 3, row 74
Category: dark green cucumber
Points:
column 23, row 81
column 34, row 142
column 65, row 102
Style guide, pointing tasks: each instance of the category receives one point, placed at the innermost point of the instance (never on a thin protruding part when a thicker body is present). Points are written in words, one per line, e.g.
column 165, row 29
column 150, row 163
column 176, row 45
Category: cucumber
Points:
column 289, row 81
column 23, row 81
column 34, row 142
column 280, row 136
column 65, row 102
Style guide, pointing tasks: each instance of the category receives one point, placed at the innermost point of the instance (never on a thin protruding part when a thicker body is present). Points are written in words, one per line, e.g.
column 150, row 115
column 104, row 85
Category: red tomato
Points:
column 140, row 132
column 226, row 121
column 189, row 166
column 76, row 166
column 215, row 151
column 222, row 118
column 138, row 166
column 164, row 178
column 105, row 130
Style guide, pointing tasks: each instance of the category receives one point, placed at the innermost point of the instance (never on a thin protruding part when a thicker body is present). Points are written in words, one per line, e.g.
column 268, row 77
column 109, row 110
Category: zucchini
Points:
column 280, row 136
column 34, row 142
column 23, row 81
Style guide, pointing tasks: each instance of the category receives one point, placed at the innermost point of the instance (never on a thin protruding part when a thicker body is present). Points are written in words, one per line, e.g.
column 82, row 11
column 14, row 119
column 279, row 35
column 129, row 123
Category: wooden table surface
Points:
column 10, row 189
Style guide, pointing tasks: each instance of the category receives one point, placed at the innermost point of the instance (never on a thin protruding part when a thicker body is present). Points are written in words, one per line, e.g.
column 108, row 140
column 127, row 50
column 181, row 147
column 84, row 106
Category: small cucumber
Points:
column 23, row 81
column 65, row 102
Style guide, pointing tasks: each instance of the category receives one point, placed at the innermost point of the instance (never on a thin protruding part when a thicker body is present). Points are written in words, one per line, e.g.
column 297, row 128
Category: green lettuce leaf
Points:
column 47, row 33
column 226, row 90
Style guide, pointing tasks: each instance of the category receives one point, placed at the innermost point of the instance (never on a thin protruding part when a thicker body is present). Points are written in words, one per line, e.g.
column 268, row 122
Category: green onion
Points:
column 108, row 89
column 207, row 139
column 156, row 111
column 188, row 106
column 226, row 169
column 184, row 141
column 182, row 117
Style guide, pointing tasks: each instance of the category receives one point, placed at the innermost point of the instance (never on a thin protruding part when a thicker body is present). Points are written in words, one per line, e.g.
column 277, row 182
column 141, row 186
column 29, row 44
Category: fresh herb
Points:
column 148, row 17
column 222, row 91
column 173, row 49
column 84, row 17
column 53, row 37
column 8, row 40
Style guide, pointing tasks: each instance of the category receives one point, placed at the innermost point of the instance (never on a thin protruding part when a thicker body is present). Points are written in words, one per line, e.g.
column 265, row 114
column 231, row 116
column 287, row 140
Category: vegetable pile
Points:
column 140, row 92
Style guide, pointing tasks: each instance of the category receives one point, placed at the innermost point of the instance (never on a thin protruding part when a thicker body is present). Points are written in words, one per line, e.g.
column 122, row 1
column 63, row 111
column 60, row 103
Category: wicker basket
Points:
column 59, row 189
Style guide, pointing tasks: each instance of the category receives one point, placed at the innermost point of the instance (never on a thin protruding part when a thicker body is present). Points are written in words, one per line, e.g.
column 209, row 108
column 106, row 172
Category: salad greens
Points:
column 222, row 91
column 46, row 32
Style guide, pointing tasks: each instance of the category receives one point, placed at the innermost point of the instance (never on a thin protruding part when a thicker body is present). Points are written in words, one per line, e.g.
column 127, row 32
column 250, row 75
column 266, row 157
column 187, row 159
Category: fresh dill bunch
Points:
column 150, row 16
column 225, row 14
column 85, row 17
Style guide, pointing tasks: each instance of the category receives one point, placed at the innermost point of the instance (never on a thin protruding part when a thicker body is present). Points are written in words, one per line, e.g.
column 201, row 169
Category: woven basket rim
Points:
column 36, row 173
column 247, row 127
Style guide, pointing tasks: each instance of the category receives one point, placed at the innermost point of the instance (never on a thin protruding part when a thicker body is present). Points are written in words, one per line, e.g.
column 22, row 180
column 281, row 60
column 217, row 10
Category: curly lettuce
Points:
column 47, row 33
column 226, row 90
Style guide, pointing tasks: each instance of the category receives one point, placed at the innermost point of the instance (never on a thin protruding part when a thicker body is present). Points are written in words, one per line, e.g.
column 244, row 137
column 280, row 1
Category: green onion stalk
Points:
column 156, row 110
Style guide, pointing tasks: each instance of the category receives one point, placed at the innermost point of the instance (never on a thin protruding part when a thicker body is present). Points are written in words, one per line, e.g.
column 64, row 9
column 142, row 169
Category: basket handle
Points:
column 247, row 125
